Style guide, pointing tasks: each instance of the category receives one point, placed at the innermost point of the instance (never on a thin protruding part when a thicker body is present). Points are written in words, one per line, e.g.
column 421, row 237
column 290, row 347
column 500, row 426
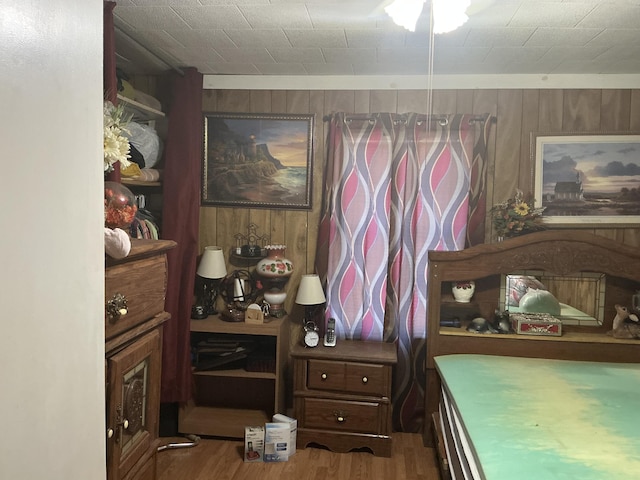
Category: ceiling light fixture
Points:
column 447, row 14
column 405, row 13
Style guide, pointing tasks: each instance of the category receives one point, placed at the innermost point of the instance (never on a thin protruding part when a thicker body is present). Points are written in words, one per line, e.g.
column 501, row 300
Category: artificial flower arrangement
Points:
column 116, row 144
column 516, row 216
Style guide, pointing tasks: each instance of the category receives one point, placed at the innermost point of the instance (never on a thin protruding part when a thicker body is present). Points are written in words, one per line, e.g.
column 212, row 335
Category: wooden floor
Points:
column 216, row 459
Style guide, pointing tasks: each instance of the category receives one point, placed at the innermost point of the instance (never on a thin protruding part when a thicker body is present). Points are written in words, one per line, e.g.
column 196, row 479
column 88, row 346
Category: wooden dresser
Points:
column 135, row 290
column 342, row 395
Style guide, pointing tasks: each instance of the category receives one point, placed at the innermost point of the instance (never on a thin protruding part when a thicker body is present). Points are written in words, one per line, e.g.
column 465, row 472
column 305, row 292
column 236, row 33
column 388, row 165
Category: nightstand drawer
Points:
column 361, row 378
column 337, row 415
column 143, row 284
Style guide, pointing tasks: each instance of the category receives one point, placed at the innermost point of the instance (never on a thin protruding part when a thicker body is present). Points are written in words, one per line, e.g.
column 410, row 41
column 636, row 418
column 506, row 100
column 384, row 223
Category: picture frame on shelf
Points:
column 587, row 179
column 258, row 160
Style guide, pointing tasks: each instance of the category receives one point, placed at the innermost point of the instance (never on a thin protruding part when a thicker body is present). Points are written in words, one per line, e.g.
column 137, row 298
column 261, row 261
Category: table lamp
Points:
column 212, row 269
column 310, row 294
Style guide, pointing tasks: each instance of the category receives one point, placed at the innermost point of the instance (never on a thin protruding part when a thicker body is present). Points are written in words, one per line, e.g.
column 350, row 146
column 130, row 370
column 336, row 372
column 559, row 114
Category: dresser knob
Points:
column 340, row 417
column 323, row 376
column 365, row 380
column 117, row 307
column 109, row 432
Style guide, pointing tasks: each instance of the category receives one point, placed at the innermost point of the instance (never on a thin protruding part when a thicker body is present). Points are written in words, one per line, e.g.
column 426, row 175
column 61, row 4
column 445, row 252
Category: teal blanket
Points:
column 547, row 419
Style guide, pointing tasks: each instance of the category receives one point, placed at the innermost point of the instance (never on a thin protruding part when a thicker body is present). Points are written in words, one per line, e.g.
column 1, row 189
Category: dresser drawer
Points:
column 143, row 284
column 347, row 416
column 348, row 377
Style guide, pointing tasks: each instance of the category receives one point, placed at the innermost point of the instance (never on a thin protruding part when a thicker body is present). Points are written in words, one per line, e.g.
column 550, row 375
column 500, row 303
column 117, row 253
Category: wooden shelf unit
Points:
column 561, row 252
column 226, row 415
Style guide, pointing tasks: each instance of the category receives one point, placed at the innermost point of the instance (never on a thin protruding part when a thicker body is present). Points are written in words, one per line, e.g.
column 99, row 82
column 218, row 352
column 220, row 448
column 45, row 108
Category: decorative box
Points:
column 536, row 324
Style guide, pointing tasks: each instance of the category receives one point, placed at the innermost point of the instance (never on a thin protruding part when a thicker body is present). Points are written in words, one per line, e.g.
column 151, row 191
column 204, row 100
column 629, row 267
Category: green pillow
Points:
column 539, row 301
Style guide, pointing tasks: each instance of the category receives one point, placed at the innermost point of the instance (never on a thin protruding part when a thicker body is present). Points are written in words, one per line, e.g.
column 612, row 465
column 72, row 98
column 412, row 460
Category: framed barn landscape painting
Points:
column 258, row 160
column 587, row 179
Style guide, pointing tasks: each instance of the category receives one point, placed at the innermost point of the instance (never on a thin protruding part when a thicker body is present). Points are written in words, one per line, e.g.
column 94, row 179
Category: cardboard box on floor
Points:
column 253, row 444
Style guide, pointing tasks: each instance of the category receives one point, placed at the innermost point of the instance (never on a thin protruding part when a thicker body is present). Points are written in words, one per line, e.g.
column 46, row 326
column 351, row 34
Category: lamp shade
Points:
column 310, row 291
column 212, row 263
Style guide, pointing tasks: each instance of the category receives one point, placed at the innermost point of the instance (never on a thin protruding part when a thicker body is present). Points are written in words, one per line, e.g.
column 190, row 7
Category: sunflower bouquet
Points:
column 516, row 216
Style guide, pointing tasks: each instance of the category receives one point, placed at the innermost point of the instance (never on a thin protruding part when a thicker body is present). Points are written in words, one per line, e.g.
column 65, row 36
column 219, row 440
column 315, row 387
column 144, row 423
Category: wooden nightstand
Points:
column 342, row 395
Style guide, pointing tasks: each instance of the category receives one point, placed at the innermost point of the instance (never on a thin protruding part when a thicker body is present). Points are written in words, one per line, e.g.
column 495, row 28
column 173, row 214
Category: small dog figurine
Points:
column 625, row 324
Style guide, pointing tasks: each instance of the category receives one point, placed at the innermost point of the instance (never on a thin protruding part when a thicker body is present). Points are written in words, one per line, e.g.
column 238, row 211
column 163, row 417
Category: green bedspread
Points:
column 536, row 419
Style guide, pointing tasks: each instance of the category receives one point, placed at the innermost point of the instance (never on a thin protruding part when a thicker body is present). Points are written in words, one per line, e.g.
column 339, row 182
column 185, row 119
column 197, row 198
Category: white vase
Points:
column 463, row 290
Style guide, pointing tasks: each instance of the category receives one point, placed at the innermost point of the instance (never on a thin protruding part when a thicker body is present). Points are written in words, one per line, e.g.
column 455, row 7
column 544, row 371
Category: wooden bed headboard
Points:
column 558, row 252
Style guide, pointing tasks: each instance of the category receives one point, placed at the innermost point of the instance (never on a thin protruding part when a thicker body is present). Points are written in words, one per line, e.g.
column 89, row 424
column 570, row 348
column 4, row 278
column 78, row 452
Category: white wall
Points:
column 51, row 241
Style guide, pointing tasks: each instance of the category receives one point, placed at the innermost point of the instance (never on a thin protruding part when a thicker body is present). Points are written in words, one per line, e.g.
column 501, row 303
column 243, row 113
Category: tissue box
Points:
column 276, row 442
column 536, row 324
column 293, row 430
column 253, row 444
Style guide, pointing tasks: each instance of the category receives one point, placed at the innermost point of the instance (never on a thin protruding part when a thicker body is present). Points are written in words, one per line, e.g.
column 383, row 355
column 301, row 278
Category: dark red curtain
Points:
column 180, row 222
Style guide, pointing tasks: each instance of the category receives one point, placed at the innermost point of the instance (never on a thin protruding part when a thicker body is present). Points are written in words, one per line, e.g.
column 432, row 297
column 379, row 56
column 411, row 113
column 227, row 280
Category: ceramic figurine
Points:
column 625, row 324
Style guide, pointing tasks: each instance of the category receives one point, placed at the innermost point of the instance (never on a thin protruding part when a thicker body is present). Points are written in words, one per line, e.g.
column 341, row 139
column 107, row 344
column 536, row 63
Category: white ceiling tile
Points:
column 612, row 37
column 613, row 17
column 201, row 38
column 356, row 37
column 501, row 55
column 566, row 53
column 546, row 37
column 389, row 55
column 160, row 38
column 276, row 16
column 296, row 55
column 502, row 36
column 149, row 18
column 329, row 68
column 549, row 14
column 361, row 38
column 158, row 3
column 316, row 38
column 191, row 56
column 245, row 55
column 212, row 17
column 475, row 55
column 457, row 38
column 265, row 38
column 225, row 2
column 497, row 15
column 342, row 15
column 350, row 55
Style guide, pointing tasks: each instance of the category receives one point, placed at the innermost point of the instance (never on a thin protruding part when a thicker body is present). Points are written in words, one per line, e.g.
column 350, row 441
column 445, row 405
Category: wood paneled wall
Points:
column 518, row 113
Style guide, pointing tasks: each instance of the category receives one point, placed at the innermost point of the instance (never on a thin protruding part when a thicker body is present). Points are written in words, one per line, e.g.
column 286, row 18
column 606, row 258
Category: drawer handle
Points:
column 341, row 417
column 365, row 380
column 324, row 376
column 117, row 307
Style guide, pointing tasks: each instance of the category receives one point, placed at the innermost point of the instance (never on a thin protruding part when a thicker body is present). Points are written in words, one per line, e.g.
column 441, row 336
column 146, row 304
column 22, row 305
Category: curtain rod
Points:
column 442, row 118
column 147, row 51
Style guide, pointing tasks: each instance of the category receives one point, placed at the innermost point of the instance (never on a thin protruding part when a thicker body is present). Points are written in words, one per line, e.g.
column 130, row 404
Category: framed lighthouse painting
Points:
column 257, row 160
column 587, row 179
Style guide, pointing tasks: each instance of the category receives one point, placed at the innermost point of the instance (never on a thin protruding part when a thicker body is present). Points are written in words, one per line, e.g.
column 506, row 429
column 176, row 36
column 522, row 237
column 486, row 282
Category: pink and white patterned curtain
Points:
column 396, row 186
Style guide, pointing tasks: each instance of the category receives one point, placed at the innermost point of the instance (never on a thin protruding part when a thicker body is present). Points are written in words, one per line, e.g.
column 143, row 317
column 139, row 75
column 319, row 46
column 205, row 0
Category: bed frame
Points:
column 557, row 252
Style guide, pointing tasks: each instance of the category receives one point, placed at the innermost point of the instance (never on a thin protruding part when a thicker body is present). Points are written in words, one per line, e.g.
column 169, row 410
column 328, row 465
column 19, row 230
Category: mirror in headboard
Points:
column 575, row 299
